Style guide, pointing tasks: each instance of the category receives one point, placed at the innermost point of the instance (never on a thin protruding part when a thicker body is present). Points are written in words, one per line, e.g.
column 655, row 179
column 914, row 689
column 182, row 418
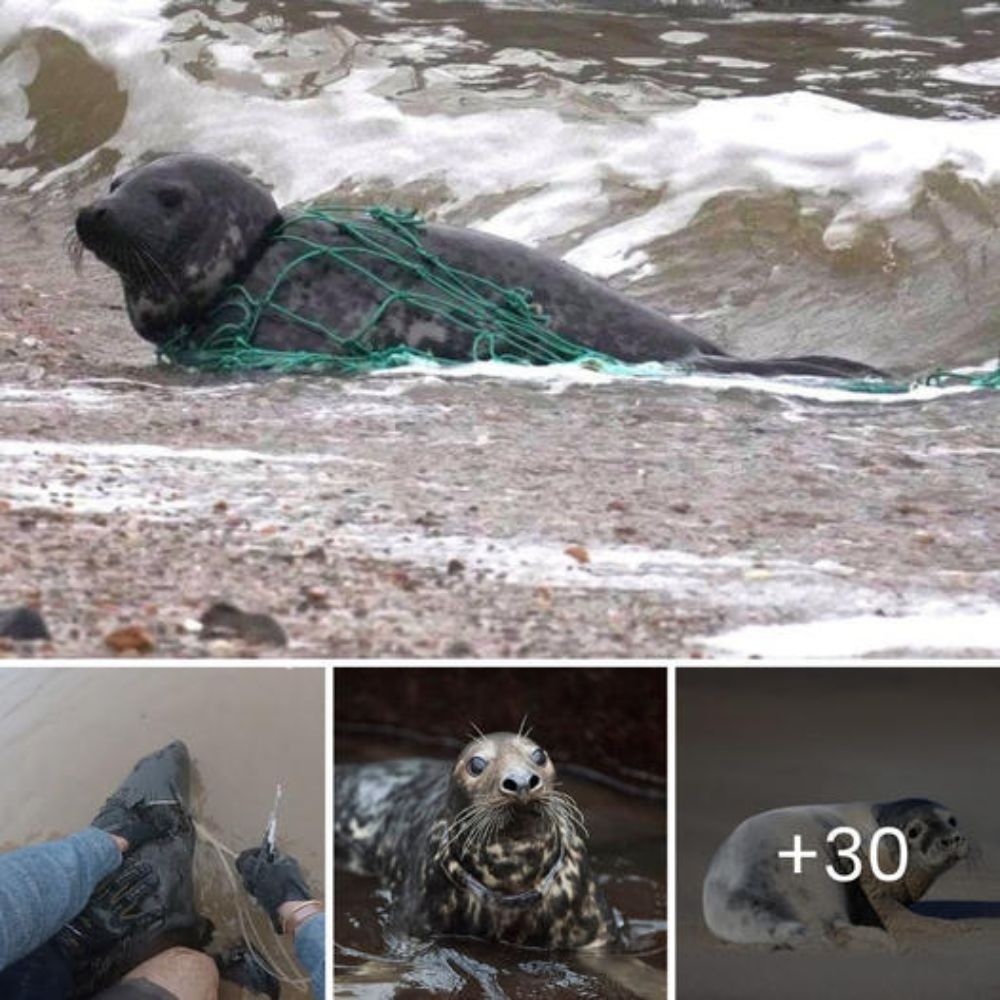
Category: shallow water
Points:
column 628, row 851
column 788, row 177
column 74, row 735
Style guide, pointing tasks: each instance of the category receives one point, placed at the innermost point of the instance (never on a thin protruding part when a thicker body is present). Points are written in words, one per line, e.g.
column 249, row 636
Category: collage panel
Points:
column 163, row 833
column 500, row 831
column 837, row 833
column 498, row 329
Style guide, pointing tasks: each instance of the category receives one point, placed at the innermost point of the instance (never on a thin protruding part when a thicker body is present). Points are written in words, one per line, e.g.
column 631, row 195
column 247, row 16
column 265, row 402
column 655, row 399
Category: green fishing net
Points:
column 506, row 325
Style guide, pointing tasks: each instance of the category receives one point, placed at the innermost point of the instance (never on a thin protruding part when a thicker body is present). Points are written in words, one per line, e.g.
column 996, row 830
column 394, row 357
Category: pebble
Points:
column 23, row 623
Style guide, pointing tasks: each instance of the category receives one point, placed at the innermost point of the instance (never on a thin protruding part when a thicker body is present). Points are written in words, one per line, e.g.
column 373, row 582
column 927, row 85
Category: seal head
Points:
column 177, row 231
column 934, row 842
column 502, row 791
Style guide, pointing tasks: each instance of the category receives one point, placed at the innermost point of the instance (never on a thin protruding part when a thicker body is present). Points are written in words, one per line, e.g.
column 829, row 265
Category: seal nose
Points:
column 955, row 842
column 519, row 783
column 91, row 219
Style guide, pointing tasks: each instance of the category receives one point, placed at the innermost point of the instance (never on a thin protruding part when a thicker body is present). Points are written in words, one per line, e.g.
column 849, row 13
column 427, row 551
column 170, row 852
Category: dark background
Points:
column 609, row 720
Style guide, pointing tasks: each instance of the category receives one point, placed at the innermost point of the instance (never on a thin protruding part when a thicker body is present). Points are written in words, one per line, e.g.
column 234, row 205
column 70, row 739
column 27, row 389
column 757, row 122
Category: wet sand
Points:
column 71, row 735
column 754, row 740
column 415, row 516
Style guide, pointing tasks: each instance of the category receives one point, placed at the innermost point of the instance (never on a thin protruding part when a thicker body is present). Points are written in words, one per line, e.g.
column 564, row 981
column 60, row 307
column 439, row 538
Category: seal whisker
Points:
column 147, row 254
column 74, row 247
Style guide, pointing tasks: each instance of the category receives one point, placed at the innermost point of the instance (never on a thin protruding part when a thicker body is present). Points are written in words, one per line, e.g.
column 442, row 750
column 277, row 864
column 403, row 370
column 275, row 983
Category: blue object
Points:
column 310, row 948
column 45, row 886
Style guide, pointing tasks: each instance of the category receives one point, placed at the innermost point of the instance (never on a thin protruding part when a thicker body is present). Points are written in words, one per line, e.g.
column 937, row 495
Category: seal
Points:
column 485, row 847
column 183, row 229
column 751, row 896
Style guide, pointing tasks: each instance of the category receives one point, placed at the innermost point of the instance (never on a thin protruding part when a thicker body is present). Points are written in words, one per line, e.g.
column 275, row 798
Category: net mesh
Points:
column 504, row 324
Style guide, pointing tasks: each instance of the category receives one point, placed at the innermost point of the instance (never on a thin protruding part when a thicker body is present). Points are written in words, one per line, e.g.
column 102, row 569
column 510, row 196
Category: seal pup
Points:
column 485, row 847
column 751, row 896
column 183, row 229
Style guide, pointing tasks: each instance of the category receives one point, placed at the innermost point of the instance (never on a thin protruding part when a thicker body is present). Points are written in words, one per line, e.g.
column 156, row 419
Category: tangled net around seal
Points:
column 505, row 323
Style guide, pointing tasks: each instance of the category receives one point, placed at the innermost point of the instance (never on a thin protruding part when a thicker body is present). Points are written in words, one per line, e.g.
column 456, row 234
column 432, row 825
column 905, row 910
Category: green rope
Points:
column 938, row 378
column 505, row 324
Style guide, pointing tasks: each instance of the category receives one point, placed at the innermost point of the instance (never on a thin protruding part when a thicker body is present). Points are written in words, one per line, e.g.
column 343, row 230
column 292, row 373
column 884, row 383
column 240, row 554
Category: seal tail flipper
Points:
column 816, row 365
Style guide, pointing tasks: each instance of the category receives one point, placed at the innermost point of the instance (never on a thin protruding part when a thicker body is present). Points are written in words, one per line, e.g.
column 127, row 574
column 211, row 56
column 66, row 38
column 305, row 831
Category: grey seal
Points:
column 483, row 847
column 751, row 896
column 183, row 229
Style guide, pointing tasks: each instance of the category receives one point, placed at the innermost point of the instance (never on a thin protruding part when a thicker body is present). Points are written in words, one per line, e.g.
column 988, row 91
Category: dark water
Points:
column 628, row 851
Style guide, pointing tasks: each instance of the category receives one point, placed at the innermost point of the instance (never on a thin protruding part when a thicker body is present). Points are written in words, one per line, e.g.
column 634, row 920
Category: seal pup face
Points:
column 506, row 820
column 934, row 841
column 177, row 231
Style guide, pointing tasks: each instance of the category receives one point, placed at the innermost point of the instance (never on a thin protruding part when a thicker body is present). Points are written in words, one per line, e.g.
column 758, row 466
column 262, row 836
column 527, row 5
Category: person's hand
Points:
column 117, row 908
column 272, row 882
column 138, row 823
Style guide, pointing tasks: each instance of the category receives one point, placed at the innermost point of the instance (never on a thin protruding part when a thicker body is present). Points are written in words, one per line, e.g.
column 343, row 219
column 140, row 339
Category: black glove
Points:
column 117, row 908
column 138, row 823
column 272, row 883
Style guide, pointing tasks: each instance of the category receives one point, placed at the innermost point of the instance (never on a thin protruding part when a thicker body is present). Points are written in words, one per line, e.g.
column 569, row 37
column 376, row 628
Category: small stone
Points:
column 24, row 624
column 578, row 552
column 317, row 597
column 226, row 621
column 458, row 649
column 130, row 639
column 400, row 578
column 924, row 537
column 455, row 566
column 316, row 554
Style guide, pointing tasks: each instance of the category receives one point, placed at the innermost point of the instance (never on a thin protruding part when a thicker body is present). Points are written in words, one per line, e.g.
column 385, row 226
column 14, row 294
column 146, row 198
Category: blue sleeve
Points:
column 310, row 947
column 44, row 886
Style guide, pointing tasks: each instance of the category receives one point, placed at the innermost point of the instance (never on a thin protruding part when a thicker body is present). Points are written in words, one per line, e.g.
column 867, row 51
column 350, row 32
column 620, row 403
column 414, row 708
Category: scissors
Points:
column 267, row 846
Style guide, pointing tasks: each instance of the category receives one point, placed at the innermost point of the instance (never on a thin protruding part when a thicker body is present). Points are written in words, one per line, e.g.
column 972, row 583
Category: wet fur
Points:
column 423, row 825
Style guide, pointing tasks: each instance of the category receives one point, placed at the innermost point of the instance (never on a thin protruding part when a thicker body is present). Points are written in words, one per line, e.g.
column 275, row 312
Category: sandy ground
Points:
column 754, row 740
column 409, row 516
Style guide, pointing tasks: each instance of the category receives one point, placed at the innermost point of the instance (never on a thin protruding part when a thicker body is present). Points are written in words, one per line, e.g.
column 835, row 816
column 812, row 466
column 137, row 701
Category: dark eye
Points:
column 169, row 197
column 913, row 832
column 115, row 184
column 952, row 821
column 476, row 765
column 538, row 756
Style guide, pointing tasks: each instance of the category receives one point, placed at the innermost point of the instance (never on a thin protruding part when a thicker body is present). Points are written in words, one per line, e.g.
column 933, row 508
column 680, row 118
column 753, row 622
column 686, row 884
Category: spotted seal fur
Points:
column 183, row 229
column 485, row 847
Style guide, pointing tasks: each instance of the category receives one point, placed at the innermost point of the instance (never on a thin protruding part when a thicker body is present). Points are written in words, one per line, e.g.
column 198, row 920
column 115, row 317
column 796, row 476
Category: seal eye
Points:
column 952, row 821
column 914, row 831
column 476, row 766
column 169, row 197
column 538, row 756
